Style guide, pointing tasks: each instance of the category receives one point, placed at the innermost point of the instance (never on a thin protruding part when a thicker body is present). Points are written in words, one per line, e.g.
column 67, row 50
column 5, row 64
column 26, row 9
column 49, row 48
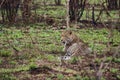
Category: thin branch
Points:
column 67, row 16
column 2, row 3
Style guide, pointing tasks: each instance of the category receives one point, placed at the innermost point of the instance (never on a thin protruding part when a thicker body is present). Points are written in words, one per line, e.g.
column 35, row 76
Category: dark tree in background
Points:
column 26, row 10
column 58, row 2
column 9, row 9
column 113, row 4
column 76, row 8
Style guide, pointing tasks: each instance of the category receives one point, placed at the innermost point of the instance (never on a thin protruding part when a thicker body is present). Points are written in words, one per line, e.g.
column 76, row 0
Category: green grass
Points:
column 0, row 61
column 39, row 44
column 5, row 53
column 7, row 77
column 60, row 76
column 114, row 70
column 49, row 40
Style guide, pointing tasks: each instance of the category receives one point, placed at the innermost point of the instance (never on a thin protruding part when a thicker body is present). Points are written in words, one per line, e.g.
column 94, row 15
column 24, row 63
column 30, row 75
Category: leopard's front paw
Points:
column 65, row 57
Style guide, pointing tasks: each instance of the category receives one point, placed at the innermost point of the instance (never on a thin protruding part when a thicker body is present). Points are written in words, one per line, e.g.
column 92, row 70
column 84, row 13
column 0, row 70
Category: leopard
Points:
column 73, row 45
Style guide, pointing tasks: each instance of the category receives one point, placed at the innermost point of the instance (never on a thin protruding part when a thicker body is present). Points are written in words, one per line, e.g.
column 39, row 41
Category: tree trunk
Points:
column 26, row 10
column 9, row 10
column 113, row 4
column 76, row 8
column 58, row 2
column 67, row 17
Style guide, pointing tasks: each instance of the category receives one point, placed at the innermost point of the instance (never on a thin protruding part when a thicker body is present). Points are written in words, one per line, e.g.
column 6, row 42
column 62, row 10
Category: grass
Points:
column 38, row 44
column 5, row 53
column 7, row 77
column 114, row 70
column 60, row 76
column 49, row 40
